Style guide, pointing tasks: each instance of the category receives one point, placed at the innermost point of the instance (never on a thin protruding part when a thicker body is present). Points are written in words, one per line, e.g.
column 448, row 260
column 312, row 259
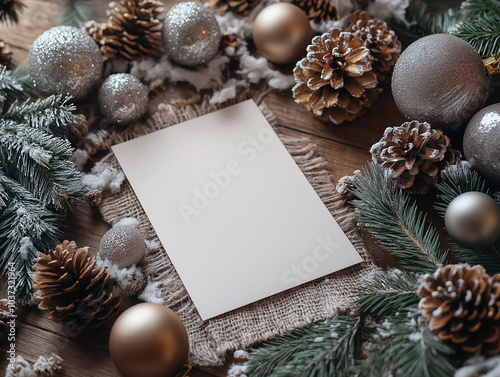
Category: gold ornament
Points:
column 281, row 32
column 473, row 219
column 148, row 340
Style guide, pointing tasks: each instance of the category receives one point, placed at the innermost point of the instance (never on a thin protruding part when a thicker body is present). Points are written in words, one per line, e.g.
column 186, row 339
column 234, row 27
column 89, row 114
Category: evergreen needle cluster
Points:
column 75, row 13
column 38, row 182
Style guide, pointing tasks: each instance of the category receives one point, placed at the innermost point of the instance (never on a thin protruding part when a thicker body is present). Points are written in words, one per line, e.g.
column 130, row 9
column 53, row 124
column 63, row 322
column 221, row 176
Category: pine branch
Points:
column 321, row 349
column 25, row 228
column 75, row 13
column 10, row 88
column 22, row 76
column 396, row 223
column 387, row 293
column 483, row 33
column 39, row 162
column 52, row 114
column 402, row 346
column 478, row 8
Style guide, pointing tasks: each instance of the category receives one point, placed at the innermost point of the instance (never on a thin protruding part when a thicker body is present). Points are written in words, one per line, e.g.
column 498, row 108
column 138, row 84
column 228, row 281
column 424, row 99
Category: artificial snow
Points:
column 152, row 293
column 479, row 366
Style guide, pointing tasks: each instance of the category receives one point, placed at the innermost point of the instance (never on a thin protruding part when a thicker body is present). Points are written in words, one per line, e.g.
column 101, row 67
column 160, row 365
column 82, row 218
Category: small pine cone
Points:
column 344, row 187
column 48, row 367
column 5, row 54
column 9, row 10
column 416, row 154
column 133, row 30
column 318, row 10
column 73, row 290
column 238, row 7
column 463, row 304
column 7, row 314
column 335, row 81
column 379, row 38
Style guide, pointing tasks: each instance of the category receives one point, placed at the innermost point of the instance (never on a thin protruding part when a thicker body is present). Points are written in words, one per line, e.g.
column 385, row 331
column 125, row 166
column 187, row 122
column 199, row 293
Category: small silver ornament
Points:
column 481, row 146
column 191, row 34
column 122, row 245
column 473, row 220
column 123, row 98
column 440, row 79
column 65, row 60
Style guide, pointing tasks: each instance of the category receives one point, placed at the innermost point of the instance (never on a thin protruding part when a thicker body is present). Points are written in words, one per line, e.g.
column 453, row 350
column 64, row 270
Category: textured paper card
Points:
column 235, row 214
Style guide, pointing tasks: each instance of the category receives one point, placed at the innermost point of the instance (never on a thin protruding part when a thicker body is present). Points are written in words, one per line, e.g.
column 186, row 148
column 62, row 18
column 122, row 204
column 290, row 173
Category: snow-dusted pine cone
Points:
column 335, row 81
column 238, row 7
column 75, row 292
column 379, row 38
column 318, row 10
column 463, row 304
column 415, row 153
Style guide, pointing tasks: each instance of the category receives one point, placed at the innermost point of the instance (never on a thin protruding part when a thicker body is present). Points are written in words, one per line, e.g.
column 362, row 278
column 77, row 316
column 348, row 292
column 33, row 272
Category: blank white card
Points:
column 237, row 217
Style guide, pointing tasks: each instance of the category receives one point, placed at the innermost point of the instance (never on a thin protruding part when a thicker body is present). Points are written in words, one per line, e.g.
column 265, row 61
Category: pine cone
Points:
column 72, row 289
column 318, row 10
column 379, row 38
column 7, row 313
column 463, row 304
column 9, row 10
column 238, row 7
column 133, row 30
column 5, row 54
column 415, row 153
column 335, row 81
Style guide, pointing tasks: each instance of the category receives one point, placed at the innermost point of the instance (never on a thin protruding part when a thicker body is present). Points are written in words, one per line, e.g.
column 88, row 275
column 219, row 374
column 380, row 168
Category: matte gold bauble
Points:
column 281, row 32
column 473, row 220
column 148, row 340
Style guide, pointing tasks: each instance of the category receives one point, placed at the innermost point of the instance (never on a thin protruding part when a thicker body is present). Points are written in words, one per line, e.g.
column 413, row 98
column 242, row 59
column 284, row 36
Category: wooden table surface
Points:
column 346, row 148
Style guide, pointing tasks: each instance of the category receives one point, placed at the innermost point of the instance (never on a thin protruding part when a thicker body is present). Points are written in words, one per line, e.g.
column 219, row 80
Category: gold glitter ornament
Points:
column 191, row 34
column 481, row 146
column 148, row 340
column 122, row 245
column 440, row 79
column 65, row 60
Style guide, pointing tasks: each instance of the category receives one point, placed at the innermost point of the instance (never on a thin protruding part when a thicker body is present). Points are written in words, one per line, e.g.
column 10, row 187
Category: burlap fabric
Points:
column 211, row 340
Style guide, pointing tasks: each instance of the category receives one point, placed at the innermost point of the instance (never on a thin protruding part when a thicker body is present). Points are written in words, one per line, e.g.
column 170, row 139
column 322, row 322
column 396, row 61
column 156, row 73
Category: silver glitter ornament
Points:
column 473, row 220
column 65, row 60
column 481, row 146
column 191, row 34
column 440, row 79
column 123, row 98
column 123, row 245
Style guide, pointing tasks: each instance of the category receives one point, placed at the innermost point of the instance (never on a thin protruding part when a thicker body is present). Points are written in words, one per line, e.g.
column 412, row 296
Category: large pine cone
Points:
column 318, row 10
column 379, row 38
column 238, row 7
column 73, row 290
column 133, row 30
column 415, row 153
column 463, row 304
column 335, row 81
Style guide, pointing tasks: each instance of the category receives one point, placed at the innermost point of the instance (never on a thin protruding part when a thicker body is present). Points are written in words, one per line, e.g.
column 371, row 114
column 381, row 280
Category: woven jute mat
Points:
column 211, row 340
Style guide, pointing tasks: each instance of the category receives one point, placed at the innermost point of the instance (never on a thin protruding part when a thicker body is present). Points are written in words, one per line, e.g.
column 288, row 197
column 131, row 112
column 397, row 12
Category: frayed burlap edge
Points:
column 211, row 340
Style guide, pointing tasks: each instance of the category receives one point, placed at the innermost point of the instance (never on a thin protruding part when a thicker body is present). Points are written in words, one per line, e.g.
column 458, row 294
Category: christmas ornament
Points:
column 73, row 290
column 5, row 54
column 440, row 79
column 123, row 98
column 132, row 32
column 382, row 42
column 191, row 34
column 123, row 245
column 463, row 304
column 148, row 340
column 318, row 10
column 64, row 60
column 281, row 32
column 334, row 81
column 7, row 314
column 481, row 147
column 238, row 7
column 415, row 154
column 9, row 10
column 473, row 219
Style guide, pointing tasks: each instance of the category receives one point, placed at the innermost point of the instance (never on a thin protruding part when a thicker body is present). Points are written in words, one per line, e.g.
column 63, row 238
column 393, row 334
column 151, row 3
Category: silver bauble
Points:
column 191, row 34
column 122, row 245
column 481, row 146
column 65, row 60
column 440, row 79
column 473, row 220
column 123, row 98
